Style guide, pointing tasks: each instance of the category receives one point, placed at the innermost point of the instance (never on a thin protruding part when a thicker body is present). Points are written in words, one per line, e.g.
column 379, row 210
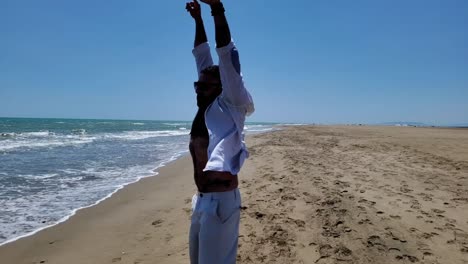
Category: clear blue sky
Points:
column 361, row 61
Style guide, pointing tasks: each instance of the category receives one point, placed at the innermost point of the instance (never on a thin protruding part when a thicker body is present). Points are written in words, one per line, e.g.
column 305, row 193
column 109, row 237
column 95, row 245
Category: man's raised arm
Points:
column 223, row 34
column 234, row 91
column 201, row 49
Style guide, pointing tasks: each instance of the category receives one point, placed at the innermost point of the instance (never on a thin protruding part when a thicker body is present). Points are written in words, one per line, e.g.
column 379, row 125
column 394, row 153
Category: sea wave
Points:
column 80, row 132
column 8, row 135
column 260, row 129
column 30, row 140
column 37, row 134
column 38, row 177
column 138, row 135
column 177, row 124
column 8, row 145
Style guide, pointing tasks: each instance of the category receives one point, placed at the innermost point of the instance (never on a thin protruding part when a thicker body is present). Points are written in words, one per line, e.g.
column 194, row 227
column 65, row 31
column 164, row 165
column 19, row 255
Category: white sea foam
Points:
column 138, row 124
column 38, row 177
column 138, row 135
column 248, row 127
column 37, row 134
column 80, row 132
column 43, row 139
column 260, row 129
column 8, row 135
column 176, row 124
column 6, row 145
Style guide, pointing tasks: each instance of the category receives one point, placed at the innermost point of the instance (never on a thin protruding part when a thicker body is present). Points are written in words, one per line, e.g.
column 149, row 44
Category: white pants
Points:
column 214, row 229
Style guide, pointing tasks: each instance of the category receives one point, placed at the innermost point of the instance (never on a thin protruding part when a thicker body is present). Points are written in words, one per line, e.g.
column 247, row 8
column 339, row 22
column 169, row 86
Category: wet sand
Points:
column 311, row 194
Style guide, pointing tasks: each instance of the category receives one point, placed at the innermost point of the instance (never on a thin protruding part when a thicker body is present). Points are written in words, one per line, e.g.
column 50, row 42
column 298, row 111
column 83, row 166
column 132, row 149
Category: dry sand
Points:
column 310, row 195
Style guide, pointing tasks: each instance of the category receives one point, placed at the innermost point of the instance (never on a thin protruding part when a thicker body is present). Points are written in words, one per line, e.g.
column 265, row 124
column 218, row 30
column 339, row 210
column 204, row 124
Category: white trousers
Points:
column 214, row 229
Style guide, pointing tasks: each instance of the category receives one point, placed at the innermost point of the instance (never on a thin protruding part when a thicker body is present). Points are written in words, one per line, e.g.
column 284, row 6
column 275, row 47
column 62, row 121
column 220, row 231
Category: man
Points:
column 217, row 142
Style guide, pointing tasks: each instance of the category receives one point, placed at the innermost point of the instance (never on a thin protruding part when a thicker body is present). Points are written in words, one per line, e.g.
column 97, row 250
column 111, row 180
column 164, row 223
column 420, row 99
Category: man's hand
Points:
column 210, row 2
column 194, row 9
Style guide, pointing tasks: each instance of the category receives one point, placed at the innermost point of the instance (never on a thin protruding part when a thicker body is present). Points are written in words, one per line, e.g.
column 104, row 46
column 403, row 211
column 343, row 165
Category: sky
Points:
column 324, row 61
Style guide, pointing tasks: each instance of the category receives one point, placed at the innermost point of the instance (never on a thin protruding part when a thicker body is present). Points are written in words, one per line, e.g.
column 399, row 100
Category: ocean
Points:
column 50, row 168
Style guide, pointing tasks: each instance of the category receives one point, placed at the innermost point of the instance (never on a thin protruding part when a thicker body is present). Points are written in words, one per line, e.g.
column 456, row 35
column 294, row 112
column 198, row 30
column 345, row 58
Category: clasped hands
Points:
column 194, row 7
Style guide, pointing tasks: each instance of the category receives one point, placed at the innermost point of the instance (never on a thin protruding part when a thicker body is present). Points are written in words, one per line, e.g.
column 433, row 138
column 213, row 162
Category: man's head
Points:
column 208, row 86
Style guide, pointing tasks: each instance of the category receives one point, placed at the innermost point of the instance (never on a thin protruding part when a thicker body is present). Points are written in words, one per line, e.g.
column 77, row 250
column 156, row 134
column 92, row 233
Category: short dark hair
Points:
column 212, row 71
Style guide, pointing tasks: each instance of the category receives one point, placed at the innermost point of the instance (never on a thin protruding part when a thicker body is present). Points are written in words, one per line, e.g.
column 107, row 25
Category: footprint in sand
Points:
column 367, row 202
column 405, row 257
column 452, row 221
column 429, row 235
column 157, row 222
column 325, row 251
column 343, row 253
column 415, row 204
column 426, row 197
column 188, row 211
column 168, row 237
column 342, row 184
column 340, row 253
column 146, row 237
column 450, row 226
column 427, row 255
column 438, row 211
column 464, row 249
column 287, row 197
column 331, row 202
column 377, row 242
column 365, row 221
column 257, row 215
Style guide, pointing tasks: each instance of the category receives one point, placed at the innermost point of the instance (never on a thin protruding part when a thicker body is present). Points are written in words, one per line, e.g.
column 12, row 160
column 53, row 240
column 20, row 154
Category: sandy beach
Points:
column 311, row 194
